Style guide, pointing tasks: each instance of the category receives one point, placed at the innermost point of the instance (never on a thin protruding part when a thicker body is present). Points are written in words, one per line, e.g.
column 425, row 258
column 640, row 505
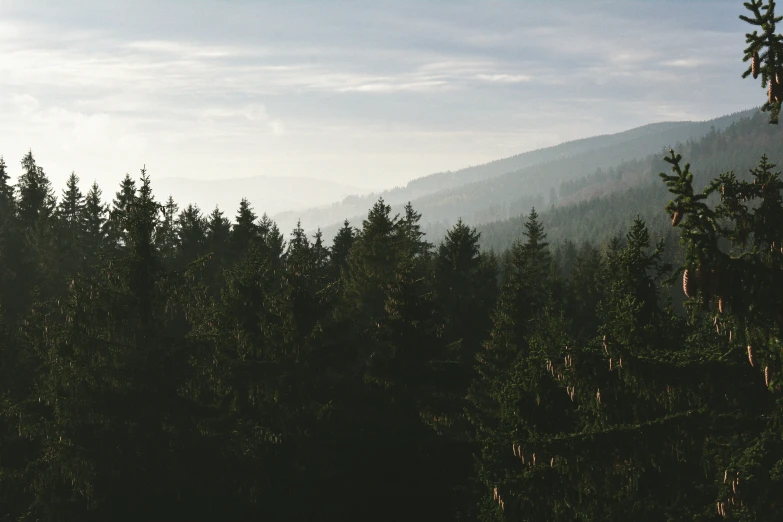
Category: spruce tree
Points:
column 245, row 231
column 70, row 209
column 36, row 197
column 341, row 247
column 6, row 189
column 95, row 222
column 465, row 291
column 167, row 234
column 765, row 53
column 70, row 226
column 192, row 232
column 123, row 200
column 218, row 232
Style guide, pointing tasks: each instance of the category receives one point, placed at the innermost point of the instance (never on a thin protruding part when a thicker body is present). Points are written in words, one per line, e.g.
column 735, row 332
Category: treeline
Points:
column 160, row 364
column 598, row 207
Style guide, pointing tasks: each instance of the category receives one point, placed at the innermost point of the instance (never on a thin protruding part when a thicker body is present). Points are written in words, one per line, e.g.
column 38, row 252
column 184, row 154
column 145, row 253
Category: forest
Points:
column 160, row 364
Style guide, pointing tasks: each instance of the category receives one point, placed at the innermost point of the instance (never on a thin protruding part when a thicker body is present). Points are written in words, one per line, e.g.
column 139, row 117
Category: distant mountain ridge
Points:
column 267, row 194
column 507, row 187
column 606, row 203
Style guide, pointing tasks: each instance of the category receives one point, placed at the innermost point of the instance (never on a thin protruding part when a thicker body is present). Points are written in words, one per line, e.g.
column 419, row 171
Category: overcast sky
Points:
column 370, row 93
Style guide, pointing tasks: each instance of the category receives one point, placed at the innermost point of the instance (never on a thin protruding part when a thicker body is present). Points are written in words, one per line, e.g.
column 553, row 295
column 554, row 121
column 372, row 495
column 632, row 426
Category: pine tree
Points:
column 273, row 239
column 245, row 230
column 411, row 236
column 218, row 232
column 341, row 247
column 192, row 234
column 373, row 261
column 6, row 189
column 36, row 197
column 123, row 200
column 71, row 226
column 465, row 291
column 71, row 205
column 765, row 53
column 167, row 234
column 95, row 224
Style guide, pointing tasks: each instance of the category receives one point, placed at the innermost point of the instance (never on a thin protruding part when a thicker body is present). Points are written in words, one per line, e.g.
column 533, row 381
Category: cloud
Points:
column 504, row 78
column 347, row 91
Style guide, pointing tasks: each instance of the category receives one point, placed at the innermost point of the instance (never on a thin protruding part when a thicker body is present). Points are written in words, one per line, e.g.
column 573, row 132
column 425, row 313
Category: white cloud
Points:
column 346, row 91
column 504, row 78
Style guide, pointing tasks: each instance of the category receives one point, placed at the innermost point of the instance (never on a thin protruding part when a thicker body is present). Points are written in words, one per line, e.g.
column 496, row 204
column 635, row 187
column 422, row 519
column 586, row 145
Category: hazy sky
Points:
column 370, row 93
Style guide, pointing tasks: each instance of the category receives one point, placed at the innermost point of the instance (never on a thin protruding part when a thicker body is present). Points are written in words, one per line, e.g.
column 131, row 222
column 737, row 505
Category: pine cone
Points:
column 773, row 89
column 777, row 91
column 755, row 64
column 688, row 283
column 721, row 305
column 766, row 376
column 751, row 355
column 677, row 217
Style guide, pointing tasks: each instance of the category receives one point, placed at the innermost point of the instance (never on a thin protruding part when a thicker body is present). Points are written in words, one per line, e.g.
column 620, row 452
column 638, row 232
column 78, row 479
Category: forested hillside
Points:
column 598, row 207
column 161, row 364
column 510, row 187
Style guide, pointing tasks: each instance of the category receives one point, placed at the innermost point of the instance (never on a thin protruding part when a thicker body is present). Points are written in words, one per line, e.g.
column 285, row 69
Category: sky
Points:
column 366, row 93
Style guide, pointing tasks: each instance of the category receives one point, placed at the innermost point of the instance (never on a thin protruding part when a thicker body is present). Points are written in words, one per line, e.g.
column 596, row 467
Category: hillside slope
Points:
column 607, row 202
column 486, row 193
column 270, row 194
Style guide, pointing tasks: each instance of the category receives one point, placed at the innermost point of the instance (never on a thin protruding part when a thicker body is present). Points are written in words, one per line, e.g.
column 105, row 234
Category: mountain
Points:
column 508, row 187
column 270, row 194
column 605, row 203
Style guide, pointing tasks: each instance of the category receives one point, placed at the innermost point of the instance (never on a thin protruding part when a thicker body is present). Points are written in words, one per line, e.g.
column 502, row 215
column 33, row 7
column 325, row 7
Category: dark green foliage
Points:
column 36, row 197
column 765, row 52
column 192, row 234
column 167, row 235
column 157, row 365
column 119, row 210
column 95, row 232
column 341, row 246
column 6, row 190
column 245, row 229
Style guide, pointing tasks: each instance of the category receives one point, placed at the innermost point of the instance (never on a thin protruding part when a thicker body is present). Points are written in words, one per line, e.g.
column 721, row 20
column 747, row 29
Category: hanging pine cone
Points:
column 721, row 305
column 677, row 217
column 688, row 283
column 776, row 90
column 751, row 355
column 755, row 64
column 773, row 89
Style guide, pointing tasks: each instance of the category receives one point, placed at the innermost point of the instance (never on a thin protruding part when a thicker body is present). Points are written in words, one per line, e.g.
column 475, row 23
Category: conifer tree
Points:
column 218, row 231
column 192, row 231
column 6, row 189
column 411, row 236
column 765, row 53
column 36, row 197
column 95, row 224
column 70, row 215
column 341, row 246
column 168, row 233
column 273, row 239
column 245, row 230
column 123, row 200
column 373, row 261
column 71, row 205
column 465, row 290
